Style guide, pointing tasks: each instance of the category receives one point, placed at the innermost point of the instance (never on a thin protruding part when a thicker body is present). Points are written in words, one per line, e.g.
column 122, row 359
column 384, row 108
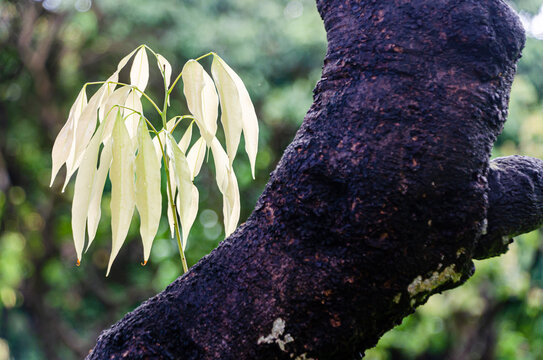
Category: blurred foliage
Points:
column 51, row 309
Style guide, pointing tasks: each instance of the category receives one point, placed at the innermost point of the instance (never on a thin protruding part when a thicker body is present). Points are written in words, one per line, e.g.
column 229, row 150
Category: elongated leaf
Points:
column 165, row 69
column 132, row 119
column 82, row 134
column 231, row 110
column 124, row 61
column 202, row 98
column 83, row 191
column 139, row 72
column 189, row 215
column 122, row 187
column 221, row 165
column 94, row 214
column 148, row 195
column 65, row 139
column 107, row 89
column 195, row 157
column 228, row 186
column 182, row 178
column 162, row 135
column 238, row 100
column 169, row 212
column 156, row 143
column 111, row 107
column 231, row 204
column 185, row 140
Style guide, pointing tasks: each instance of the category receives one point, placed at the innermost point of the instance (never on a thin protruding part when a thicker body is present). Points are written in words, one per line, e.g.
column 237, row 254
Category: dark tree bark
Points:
column 382, row 199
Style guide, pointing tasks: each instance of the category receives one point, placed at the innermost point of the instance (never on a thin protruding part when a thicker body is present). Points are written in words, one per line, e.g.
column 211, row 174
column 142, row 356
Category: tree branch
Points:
column 377, row 204
column 515, row 203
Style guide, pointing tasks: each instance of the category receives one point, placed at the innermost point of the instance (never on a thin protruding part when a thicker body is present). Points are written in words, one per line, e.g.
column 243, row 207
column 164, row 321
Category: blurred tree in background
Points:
column 49, row 308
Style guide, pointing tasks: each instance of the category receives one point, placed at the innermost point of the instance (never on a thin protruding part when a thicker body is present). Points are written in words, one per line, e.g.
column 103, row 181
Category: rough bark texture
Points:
column 382, row 199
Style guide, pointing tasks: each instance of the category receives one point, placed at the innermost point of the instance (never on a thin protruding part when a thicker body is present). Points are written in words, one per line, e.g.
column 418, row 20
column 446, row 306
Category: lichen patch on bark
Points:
column 276, row 335
column 419, row 285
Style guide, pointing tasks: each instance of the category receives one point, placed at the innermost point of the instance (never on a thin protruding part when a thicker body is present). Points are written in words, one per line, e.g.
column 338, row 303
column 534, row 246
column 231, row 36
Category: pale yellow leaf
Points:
column 65, row 139
column 83, row 191
column 221, row 165
column 189, row 215
column 106, row 90
column 169, row 212
column 139, row 72
column 132, row 119
column 165, row 69
column 121, row 175
column 82, row 134
column 157, row 140
column 202, row 98
column 196, row 156
column 228, row 186
column 231, row 204
column 231, row 110
column 170, row 124
column 185, row 140
column 124, row 61
column 111, row 107
column 94, row 214
column 148, row 194
column 182, row 178
column 249, row 121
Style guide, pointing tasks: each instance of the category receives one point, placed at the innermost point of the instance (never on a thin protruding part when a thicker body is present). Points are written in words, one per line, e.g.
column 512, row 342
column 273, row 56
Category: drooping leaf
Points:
column 83, row 133
column 94, row 214
column 139, row 72
column 221, row 165
column 111, row 107
column 235, row 102
column 202, row 98
column 121, row 175
column 195, row 157
column 107, row 89
column 231, row 110
column 189, row 214
column 65, row 139
column 83, row 191
column 183, row 179
column 124, row 61
column 185, row 139
column 228, row 186
column 162, row 137
column 231, row 204
column 148, row 195
column 165, row 69
column 132, row 118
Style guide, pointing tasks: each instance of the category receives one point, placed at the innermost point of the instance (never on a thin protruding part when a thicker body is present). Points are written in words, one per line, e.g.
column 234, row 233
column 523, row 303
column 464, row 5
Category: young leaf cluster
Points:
column 109, row 135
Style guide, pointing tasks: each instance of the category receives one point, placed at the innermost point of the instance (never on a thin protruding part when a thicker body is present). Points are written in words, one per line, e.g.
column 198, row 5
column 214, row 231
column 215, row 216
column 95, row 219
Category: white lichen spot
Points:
column 397, row 298
column 275, row 336
column 419, row 285
column 506, row 239
column 460, row 252
column 301, row 357
column 484, row 229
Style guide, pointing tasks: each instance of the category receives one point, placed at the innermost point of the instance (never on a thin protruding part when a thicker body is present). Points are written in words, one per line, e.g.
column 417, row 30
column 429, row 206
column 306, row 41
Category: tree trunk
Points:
column 382, row 199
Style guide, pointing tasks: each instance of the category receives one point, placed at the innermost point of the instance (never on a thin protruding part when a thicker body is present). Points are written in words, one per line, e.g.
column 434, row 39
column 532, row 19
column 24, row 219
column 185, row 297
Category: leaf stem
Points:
column 132, row 86
column 181, row 118
column 179, row 76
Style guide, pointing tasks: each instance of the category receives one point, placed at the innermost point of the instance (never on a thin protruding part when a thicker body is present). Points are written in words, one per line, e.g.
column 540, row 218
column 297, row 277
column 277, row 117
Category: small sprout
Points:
column 110, row 135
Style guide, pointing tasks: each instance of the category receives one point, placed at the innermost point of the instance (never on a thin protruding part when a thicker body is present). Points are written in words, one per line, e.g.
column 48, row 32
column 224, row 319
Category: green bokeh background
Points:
column 49, row 308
